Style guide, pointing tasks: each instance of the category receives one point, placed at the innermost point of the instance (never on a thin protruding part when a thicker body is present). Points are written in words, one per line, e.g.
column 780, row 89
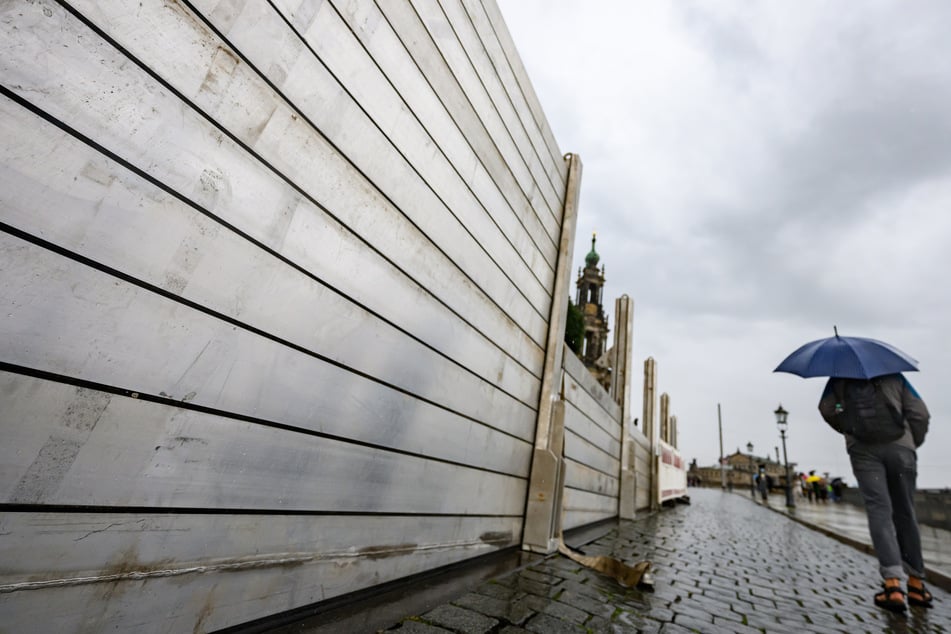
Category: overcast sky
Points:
column 757, row 173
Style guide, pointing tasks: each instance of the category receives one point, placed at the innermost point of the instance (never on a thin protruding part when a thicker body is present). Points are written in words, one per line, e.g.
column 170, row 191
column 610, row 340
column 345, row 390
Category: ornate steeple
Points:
column 589, row 301
column 592, row 258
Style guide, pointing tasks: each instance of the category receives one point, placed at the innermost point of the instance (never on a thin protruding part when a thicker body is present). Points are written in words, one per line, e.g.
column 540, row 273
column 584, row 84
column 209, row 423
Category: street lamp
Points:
column 781, row 422
column 749, row 448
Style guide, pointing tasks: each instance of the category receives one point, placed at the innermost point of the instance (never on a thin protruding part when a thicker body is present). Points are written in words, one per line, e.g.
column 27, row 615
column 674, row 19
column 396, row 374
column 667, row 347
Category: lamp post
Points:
column 782, row 424
column 749, row 448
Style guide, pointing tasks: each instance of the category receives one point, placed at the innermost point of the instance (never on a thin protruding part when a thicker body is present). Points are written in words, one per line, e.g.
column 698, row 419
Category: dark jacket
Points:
column 900, row 394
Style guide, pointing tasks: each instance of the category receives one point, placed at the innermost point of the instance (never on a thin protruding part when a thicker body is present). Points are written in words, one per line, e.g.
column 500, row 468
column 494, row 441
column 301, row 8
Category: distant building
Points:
column 739, row 469
column 594, row 352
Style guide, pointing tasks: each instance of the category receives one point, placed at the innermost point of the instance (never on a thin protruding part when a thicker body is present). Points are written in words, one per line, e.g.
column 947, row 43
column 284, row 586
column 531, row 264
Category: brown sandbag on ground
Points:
column 636, row 576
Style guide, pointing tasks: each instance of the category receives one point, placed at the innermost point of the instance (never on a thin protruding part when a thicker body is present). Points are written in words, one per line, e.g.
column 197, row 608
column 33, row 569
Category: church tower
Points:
column 590, row 287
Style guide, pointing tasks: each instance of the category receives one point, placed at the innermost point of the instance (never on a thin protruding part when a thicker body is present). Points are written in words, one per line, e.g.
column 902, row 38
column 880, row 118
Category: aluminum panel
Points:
column 577, row 519
column 343, row 59
column 582, row 507
column 580, row 450
column 460, row 66
column 642, row 470
column 91, row 448
column 591, row 395
column 193, row 256
column 525, row 85
column 50, row 538
column 462, row 136
column 74, row 321
column 392, row 148
column 642, row 454
column 488, row 77
column 183, row 573
column 126, row 111
column 378, row 175
column 469, row 148
column 577, row 421
column 225, row 199
column 582, row 477
column 484, row 135
column 587, row 501
column 502, row 66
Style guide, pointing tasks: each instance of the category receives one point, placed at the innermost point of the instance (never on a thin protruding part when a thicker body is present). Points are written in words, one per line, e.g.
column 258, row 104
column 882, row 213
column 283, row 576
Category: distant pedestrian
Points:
column 814, row 488
column 884, row 421
column 837, row 487
column 822, row 490
column 805, row 486
column 762, row 483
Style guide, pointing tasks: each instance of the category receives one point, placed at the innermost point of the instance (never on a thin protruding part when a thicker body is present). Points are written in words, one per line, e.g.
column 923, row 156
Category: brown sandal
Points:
column 892, row 597
column 918, row 594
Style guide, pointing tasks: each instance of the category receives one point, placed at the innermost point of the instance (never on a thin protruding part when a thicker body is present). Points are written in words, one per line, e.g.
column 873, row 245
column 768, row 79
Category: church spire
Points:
column 589, row 301
column 592, row 258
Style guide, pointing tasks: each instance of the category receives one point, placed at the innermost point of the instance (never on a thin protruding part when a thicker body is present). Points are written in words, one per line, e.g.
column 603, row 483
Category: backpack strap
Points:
column 838, row 388
column 840, row 417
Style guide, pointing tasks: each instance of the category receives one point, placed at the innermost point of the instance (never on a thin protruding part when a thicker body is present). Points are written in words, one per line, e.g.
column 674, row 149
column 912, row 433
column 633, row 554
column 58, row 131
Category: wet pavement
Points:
column 850, row 524
column 721, row 564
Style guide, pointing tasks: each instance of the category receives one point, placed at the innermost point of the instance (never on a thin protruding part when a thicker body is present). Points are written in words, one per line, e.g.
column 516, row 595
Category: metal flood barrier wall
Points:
column 276, row 282
column 607, row 460
column 592, row 448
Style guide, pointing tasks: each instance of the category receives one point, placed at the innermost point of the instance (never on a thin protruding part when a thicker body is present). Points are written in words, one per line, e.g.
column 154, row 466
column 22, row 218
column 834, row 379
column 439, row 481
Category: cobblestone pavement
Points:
column 851, row 523
column 721, row 564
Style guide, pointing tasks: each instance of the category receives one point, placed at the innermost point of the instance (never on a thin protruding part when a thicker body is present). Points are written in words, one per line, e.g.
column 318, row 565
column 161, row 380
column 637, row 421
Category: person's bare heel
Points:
column 892, row 597
column 918, row 594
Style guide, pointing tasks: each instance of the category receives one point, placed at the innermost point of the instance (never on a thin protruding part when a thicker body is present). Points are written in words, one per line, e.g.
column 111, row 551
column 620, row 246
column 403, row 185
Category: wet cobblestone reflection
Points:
column 722, row 564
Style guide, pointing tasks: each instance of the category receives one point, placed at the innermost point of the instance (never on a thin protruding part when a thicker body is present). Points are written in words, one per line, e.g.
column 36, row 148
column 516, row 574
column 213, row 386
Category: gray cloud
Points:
column 757, row 173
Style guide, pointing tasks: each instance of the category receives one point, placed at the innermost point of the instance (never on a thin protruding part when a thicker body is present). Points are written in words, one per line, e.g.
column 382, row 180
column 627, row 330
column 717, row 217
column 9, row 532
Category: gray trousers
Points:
column 886, row 475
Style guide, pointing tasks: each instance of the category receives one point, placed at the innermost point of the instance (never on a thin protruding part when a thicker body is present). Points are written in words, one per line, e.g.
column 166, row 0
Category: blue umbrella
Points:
column 848, row 358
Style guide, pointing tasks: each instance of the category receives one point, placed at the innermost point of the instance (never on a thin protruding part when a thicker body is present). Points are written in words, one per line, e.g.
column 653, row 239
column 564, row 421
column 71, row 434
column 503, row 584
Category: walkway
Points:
column 722, row 564
column 850, row 524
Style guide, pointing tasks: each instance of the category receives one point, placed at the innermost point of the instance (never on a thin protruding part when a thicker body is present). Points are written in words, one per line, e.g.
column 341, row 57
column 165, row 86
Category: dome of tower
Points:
column 592, row 258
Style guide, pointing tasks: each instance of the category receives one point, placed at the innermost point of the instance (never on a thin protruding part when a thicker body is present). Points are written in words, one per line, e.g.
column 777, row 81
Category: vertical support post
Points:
column 543, row 506
column 650, row 426
column 665, row 418
column 621, row 389
column 663, row 425
column 722, row 465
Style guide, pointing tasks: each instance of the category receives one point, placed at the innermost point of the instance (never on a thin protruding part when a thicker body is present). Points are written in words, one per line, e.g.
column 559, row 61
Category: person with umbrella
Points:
column 884, row 420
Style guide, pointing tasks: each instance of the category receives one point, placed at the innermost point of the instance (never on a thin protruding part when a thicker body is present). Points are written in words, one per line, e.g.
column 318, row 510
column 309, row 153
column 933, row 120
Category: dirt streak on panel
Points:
column 382, row 552
column 56, row 456
column 496, row 537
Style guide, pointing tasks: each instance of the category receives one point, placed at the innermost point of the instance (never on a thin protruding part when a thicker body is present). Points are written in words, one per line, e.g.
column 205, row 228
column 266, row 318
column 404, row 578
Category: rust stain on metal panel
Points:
column 124, row 562
column 386, row 551
column 126, row 567
column 206, row 609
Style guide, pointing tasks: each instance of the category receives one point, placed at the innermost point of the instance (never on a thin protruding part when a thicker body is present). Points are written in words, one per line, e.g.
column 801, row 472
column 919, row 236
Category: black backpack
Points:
column 865, row 412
